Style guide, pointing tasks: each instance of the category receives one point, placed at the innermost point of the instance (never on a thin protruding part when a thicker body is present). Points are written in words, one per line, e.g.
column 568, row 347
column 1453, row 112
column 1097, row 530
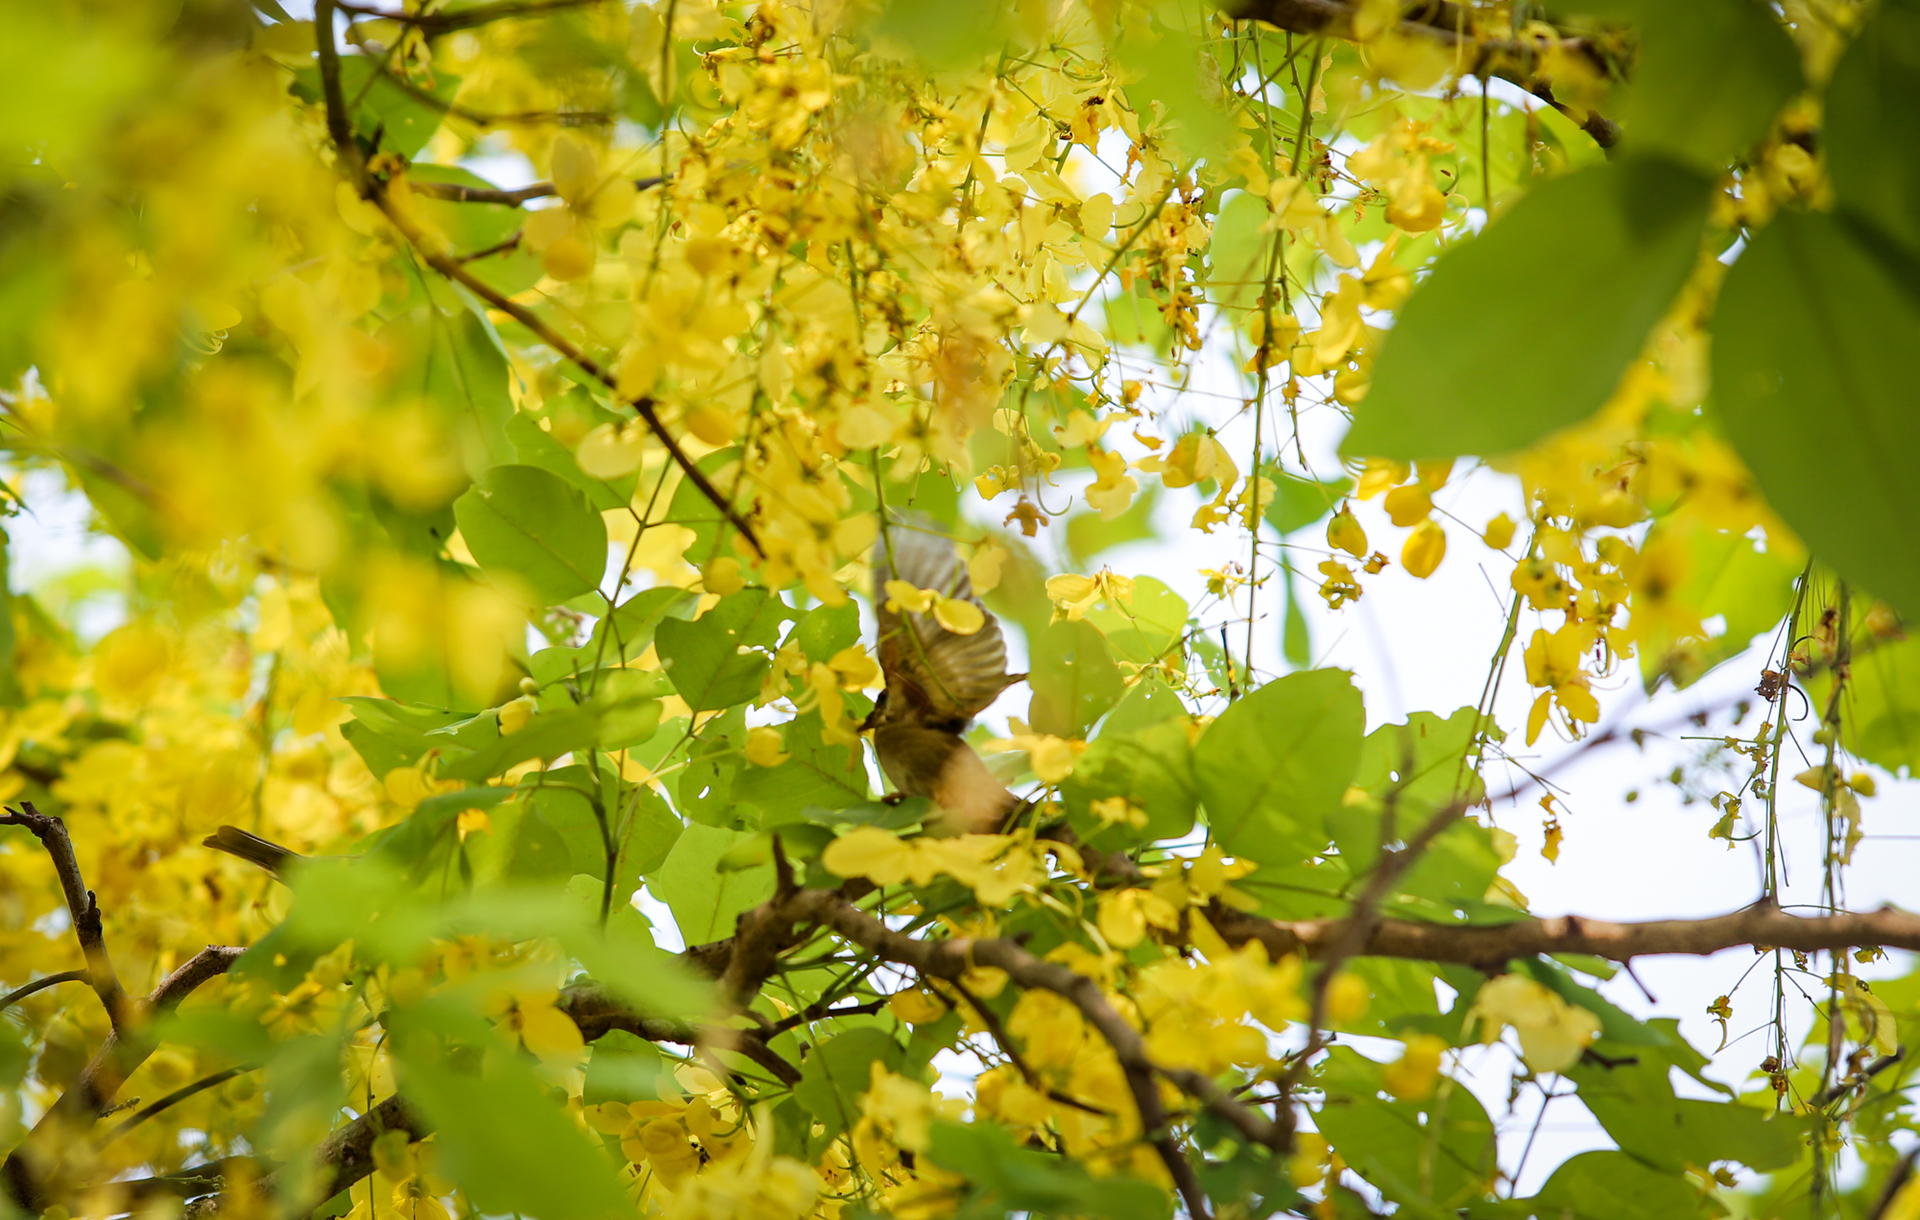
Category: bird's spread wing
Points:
column 951, row 676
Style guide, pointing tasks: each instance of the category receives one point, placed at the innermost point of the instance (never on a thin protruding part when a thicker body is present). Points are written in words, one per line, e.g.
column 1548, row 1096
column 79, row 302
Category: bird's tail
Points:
column 251, row 848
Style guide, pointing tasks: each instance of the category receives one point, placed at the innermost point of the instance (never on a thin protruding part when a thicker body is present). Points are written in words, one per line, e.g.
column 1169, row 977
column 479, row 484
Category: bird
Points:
column 253, row 849
column 937, row 681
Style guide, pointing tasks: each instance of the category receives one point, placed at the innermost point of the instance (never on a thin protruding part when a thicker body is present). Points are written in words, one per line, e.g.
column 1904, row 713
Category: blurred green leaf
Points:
column 1527, row 328
column 1814, row 364
column 623, row 1068
column 1141, row 631
column 1872, row 134
column 1612, row 1185
column 1431, row 1156
column 838, row 1073
column 505, row 1141
column 1298, row 502
column 1015, row 1179
column 1708, row 79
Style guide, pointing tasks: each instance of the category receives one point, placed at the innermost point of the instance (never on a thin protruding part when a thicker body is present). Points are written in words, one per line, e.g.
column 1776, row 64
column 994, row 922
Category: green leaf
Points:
column 1148, row 701
column 1144, row 629
column 1616, row 1186
column 1074, row 680
column 548, row 735
column 705, row 902
column 467, row 376
column 505, row 1141
column 1239, row 251
column 535, row 446
column 1431, row 1157
column 623, row 1068
column 1635, row 1102
column 533, row 534
column 1151, row 767
column 1708, row 79
column 1421, row 765
column 1298, row 502
column 818, row 773
column 628, row 631
column 378, row 104
column 1528, row 328
column 1276, row 763
column 1814, row 364
column 838, row 1072
column 1726, row 576
column 1174, row 72
column 651, row 833
column 705, row 657
column 1017, row 1179
column 1872, row 133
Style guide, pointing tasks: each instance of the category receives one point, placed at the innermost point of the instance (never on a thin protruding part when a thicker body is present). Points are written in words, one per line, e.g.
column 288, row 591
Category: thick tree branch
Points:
column 595, row 1012
column 1516, row 61
column 85, row 911
column 1761, row 926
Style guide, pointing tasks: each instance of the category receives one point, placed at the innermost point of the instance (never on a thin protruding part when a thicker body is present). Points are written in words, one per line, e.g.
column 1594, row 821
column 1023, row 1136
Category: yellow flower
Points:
column 1126, row 914
column 915, row 1006
column 1347, row 998
column 723, row 577
column 1409, row 504
column 530, row 1014
column 1425, row 547
column 1553, row 1033
column 1113, row 489
column 1345, row 534
column 1499, row 532
column 515, row 714
column 1413, row 1075
column 958, row 616
column 764, row 746
column 867, row 851
column 1553, row 662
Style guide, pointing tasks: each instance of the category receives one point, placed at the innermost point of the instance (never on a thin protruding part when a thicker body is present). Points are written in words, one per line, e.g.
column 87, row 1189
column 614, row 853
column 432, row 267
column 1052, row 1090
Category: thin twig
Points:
column 20, row 993
column 466, row 18
column 175, row 1098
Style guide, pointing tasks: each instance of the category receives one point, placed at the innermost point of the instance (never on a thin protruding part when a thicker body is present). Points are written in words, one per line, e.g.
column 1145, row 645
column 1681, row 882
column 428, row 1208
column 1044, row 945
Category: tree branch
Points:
column 20, row 993
column 1762, row 926
column 595, row 1012
column 344, row 1158
column 52, row 833
column 951, row 959
column 1452, row 25
column 27, row 1172
column 175, row 1098
column 466, row 18
column 456, row 193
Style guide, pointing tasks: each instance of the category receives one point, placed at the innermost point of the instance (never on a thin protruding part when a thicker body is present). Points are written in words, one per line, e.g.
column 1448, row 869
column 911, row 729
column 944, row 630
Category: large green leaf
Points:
column 840, row 1071
column 1882, row 704
column 1431, row 1157
column 1074, row 679
column 711, row 659
column 1611, row 1185
column 532, row 533
column 1635, row 1102
column 1016, row 1179
column 705, row 901
column 1528, row 328
column 1143, row 629
column 1872, row 134
column 1816, row 353
column 1151, row 767
column 505, row 1142
column 1276, row 763
column 1709, row 77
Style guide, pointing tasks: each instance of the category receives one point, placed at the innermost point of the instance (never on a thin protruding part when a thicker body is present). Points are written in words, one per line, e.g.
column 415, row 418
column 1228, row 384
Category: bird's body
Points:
column 937, row 681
